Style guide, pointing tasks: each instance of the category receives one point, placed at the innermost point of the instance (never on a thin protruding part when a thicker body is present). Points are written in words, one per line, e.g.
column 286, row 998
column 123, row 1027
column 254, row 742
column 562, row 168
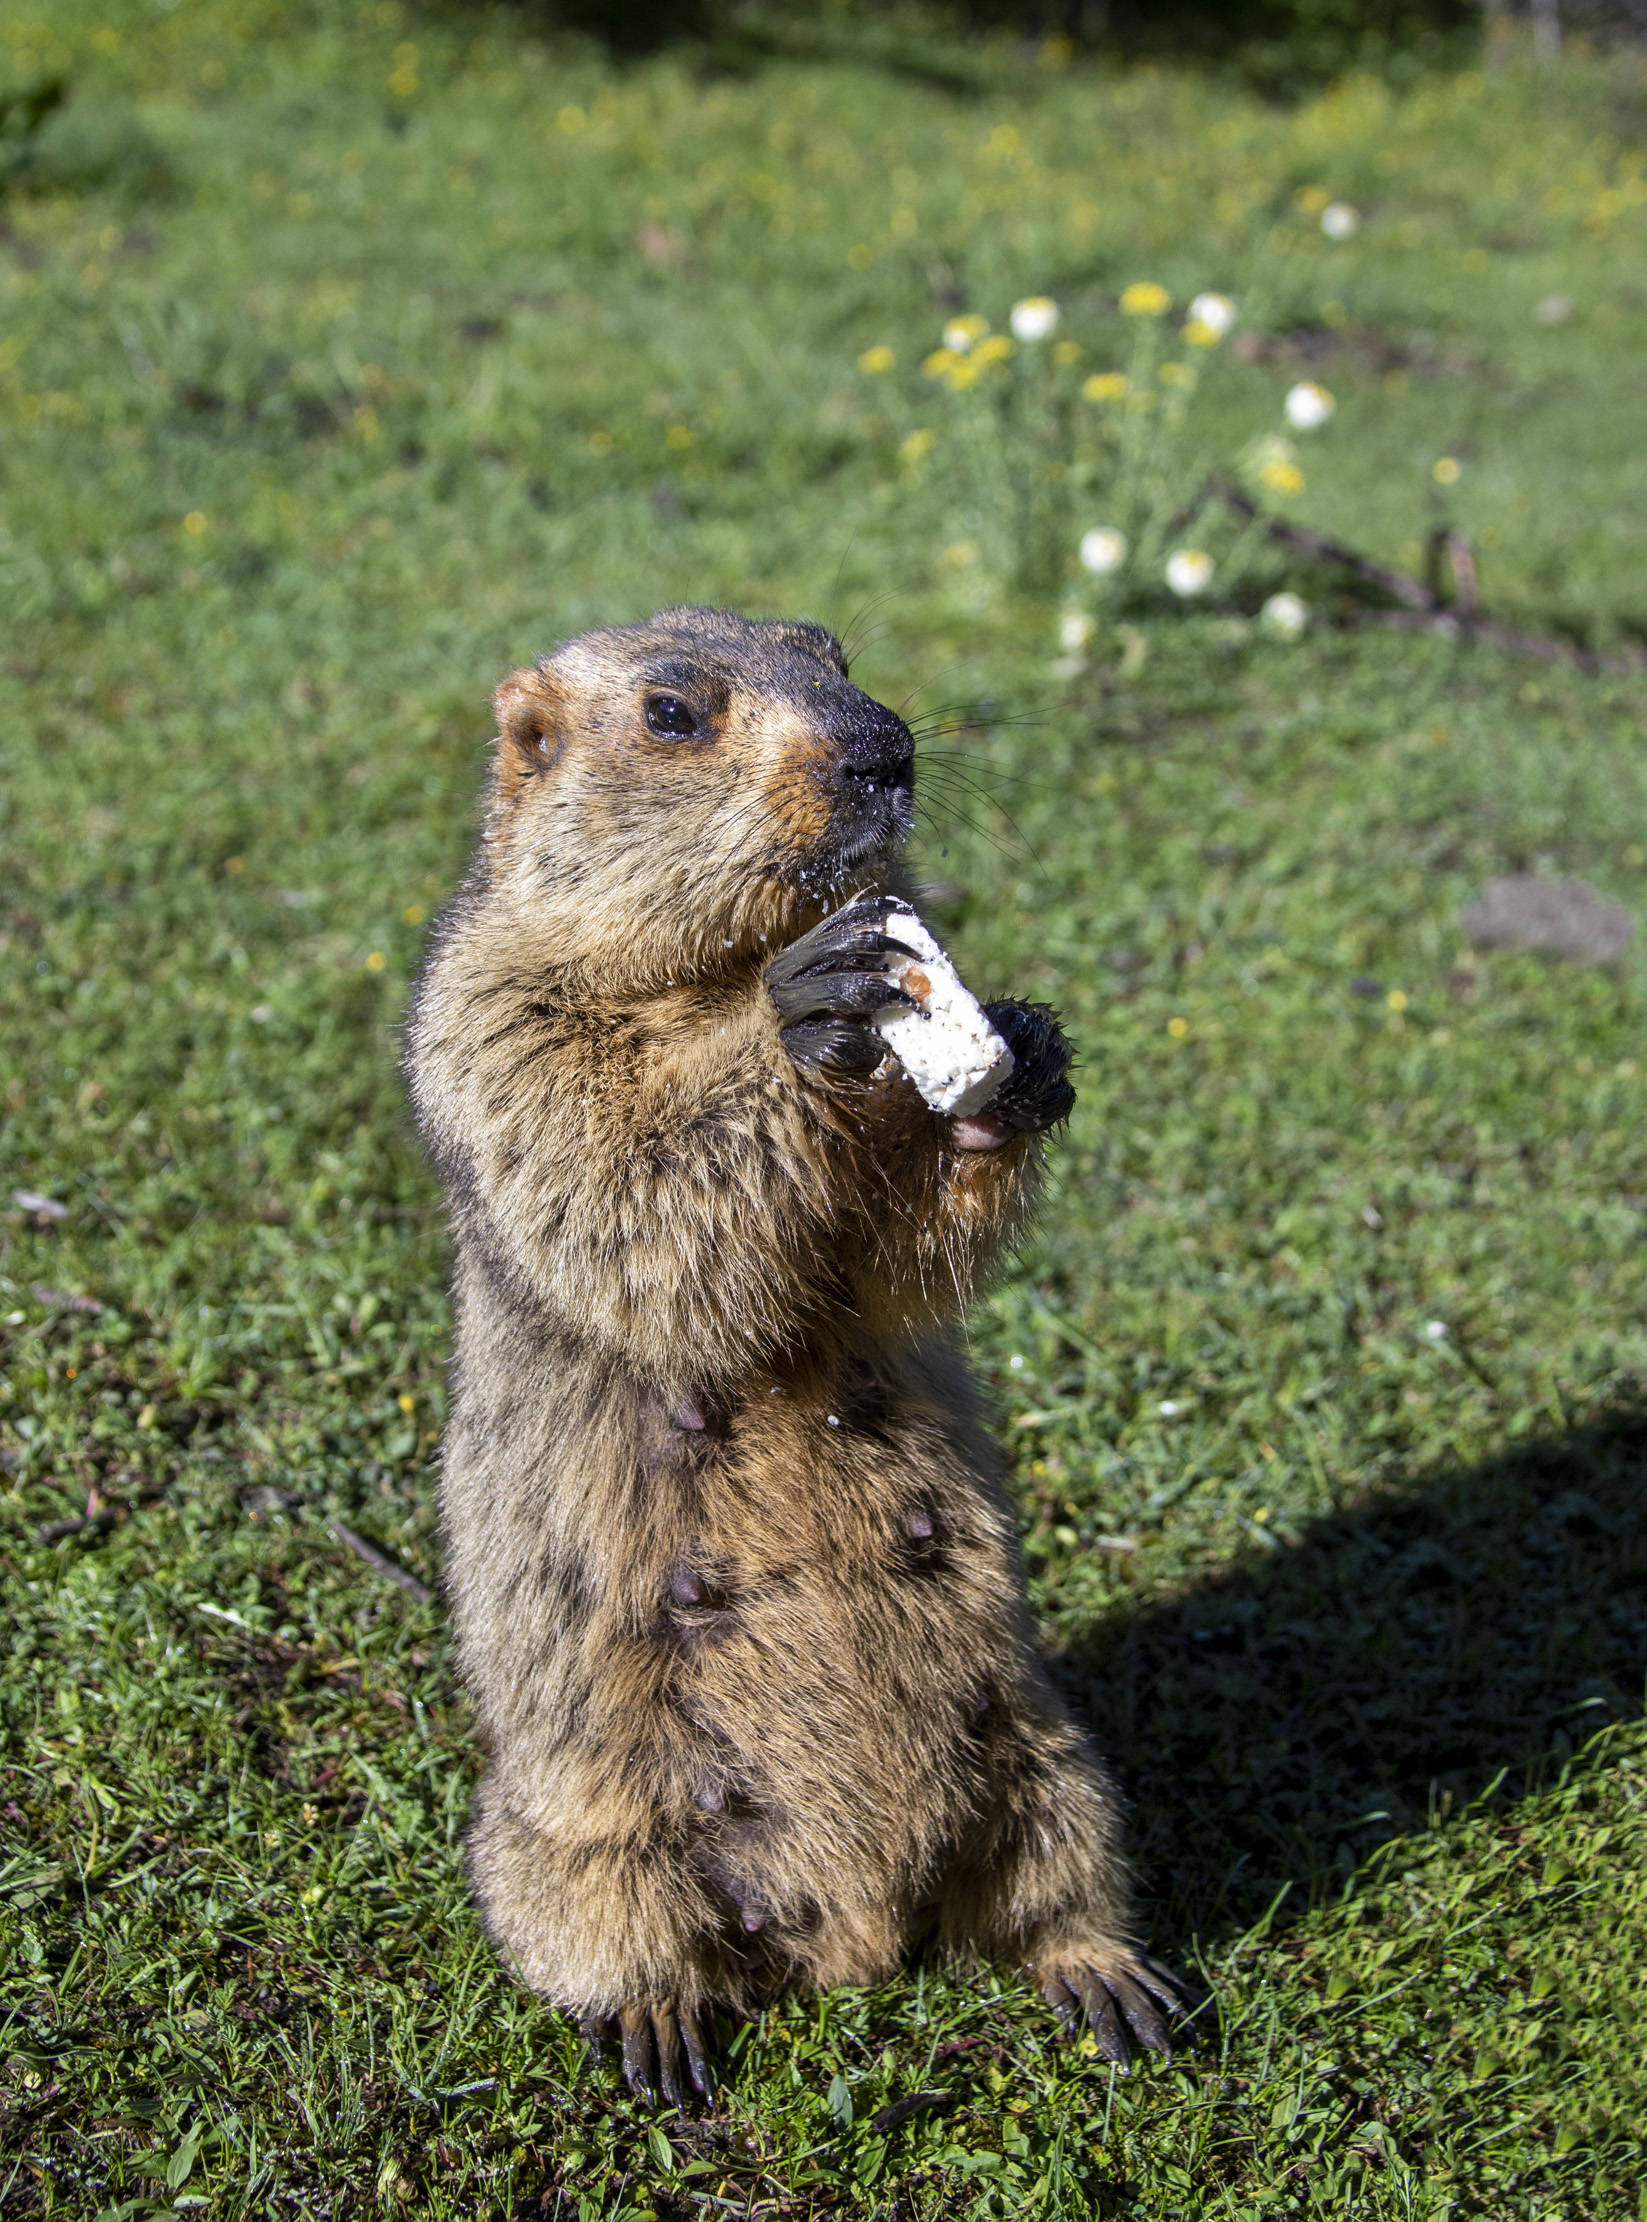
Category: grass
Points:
column 351, row 356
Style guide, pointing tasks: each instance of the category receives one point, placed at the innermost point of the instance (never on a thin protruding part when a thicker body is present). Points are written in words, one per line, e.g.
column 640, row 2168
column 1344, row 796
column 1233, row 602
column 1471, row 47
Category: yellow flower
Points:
column 1282, row 478
column 876, row 359
column 1176, row 374
column 939, row 363
column 960, row 555
column 1444, row 470
column 1197, row 334
column 406, row 1403
column 1105, row 385
column 961, row 331
column 1177, row 1028
column 1396, row 1000
column 413, row 914
column 376, row 961
column 677, row 437
column 965, row 372
column 1310, row 200
column 1146, row 298
column 917, row 447
column 1067, row 351
column 995, row 349
column 195, row 521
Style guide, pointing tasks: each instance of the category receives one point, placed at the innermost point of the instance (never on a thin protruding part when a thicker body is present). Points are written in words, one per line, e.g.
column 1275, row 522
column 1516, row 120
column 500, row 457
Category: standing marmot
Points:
column 733, row 1570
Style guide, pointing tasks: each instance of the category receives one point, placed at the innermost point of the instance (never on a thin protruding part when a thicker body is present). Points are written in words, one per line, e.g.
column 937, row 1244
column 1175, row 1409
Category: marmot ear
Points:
column 530, row 730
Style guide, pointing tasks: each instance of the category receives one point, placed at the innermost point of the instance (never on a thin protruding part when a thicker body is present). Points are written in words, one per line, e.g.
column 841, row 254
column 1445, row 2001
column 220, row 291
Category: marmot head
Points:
column 669, row 798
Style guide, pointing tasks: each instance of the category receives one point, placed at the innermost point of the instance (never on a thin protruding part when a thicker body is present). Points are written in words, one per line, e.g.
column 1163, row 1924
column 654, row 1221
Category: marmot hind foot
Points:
column 1122, row 1998
column 664, row 2045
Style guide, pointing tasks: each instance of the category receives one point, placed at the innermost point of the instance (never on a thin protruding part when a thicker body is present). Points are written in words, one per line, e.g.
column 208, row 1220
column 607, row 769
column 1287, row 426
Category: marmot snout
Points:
column 731, row 1561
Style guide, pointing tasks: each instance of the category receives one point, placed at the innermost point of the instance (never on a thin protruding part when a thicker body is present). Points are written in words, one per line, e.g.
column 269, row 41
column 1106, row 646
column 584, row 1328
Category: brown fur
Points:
column 730, row 1557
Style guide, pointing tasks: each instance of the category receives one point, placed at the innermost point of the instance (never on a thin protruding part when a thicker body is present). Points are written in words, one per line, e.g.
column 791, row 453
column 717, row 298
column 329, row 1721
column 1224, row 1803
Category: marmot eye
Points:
column 670, row 717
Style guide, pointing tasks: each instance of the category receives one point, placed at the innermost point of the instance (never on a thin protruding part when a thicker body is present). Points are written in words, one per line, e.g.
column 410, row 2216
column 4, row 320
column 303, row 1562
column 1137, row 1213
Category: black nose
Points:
column 876, row 745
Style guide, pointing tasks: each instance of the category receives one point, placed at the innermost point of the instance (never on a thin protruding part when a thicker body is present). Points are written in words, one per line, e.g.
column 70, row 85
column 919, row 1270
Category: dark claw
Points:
column 1160, row 1982
column 1103, row 2020
column 669, row 2051
column 663, row 2045
column 635, row 2024
column 835, row 995
column 835, row 1045
column 857, row 927
column 697, row 2055
column 1063, row 2002
column 592, row 2029
column 1146, row 2023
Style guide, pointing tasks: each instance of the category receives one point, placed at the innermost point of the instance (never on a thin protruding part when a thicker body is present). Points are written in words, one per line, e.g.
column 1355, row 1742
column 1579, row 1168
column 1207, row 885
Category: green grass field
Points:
column 348, row 356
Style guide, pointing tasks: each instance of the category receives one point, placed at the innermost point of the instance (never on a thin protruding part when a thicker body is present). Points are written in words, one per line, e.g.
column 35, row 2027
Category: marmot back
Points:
column 730, row 1558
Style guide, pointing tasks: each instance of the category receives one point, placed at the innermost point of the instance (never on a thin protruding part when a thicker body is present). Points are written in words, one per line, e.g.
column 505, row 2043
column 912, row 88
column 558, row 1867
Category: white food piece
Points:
column 945, row 1044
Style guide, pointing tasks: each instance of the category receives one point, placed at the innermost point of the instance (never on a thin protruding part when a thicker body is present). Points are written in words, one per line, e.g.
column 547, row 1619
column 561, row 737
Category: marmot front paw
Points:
column 828, row 986
column 661, row 2039
column 1036, row 1093
column 1118, row 1994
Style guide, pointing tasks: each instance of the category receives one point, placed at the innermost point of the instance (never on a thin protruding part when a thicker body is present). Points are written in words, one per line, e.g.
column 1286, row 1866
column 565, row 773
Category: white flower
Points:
column 1103, row 549
column 1189, row 571
column 1169, row 1407
column 1033, row 319
column 959, row 335
column 1215, row 310
column 1340, row 221
column 1075, row 631
column 1284, row 615
column 1308, row 405
column 1436, row 1330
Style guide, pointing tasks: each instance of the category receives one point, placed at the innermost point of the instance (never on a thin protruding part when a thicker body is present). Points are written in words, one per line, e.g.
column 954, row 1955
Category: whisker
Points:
column 940, row 763
column 989, row 802
column 922, row 686
column 954, row 811
column 853, row 644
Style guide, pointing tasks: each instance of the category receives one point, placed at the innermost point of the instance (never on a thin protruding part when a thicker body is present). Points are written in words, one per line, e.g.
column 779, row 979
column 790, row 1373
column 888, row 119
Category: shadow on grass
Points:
column 1439, row 1643
column 1280, row 47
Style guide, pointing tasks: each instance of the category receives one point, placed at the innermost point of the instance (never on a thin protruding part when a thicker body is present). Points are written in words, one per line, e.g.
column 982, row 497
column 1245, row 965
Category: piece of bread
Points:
column 945, row 1044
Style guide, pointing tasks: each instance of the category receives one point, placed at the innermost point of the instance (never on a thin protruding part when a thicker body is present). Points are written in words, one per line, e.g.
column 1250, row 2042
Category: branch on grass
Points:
column 381, row 1563
column 1412, row 593
column 1424, row 605
column 97, row 1514
column 888, row 2118
column 1490, row 634
column 56, row 1531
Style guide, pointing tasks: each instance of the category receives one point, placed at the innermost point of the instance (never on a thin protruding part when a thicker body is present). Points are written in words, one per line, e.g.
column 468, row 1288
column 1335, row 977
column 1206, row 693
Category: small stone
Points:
column 1557, row 918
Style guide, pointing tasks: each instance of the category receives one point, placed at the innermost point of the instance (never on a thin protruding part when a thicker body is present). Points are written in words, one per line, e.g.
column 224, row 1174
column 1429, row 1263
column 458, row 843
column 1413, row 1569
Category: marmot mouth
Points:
column 877, row 828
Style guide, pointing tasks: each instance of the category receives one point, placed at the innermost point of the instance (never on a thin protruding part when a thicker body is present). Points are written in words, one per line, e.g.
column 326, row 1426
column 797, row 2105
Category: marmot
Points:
column 732, row 1565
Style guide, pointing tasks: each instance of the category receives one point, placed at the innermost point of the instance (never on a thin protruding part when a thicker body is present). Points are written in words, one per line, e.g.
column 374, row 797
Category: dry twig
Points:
column 381, row 1563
